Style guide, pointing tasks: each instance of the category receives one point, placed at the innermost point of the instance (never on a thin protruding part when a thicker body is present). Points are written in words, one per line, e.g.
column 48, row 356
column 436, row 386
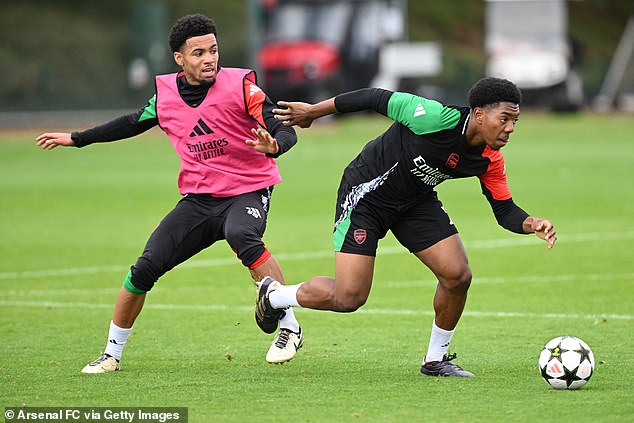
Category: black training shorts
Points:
column 198, row 221
column 361, row 220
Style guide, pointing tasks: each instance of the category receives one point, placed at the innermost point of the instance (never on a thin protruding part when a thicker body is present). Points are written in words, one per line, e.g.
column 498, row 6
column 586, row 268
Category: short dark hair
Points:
column 493, row 90
column 189, row 26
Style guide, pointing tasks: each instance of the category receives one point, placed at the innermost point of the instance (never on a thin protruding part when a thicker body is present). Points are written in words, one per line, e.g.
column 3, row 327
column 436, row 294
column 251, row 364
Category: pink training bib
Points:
column 209, row 138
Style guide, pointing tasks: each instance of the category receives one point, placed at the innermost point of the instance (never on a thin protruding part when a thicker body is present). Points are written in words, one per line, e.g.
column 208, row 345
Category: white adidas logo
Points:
column 254, row 89
column 420, row 110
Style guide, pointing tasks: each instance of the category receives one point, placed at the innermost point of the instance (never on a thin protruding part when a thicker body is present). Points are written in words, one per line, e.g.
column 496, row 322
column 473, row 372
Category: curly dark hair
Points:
column 493, row 90
column 189, row 26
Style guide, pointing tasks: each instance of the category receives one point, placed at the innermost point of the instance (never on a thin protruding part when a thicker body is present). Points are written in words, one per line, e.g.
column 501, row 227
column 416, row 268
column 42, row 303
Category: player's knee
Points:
column 239, row 235
column 350, row 305
column 458, row 280
column 247, row 244
column 142, row 276
column 350, row 301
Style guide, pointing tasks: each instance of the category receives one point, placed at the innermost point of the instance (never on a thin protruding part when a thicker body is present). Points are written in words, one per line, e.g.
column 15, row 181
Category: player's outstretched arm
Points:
column 50, row 140
column 543, row 228
column 303, row 114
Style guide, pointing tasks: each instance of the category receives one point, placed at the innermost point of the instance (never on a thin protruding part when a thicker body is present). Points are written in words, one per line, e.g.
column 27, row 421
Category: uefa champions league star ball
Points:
column 566, row 362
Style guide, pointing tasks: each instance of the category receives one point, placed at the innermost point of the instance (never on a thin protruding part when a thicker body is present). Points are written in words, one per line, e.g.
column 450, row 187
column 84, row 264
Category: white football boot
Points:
column 104, row 364
column 285, row 346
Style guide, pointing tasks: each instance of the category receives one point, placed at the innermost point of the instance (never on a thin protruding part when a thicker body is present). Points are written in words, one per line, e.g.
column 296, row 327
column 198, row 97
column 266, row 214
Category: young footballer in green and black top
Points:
column 390, row 186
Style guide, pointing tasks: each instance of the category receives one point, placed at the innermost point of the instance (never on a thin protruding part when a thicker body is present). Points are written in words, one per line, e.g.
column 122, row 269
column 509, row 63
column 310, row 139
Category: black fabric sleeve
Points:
column 285, row 136
column 364, row 99
column 125, row 126
column 508, row 215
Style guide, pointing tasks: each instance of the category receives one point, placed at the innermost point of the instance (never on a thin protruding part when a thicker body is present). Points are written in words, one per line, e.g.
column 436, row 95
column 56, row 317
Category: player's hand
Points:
column 294, row 113
column 50, row 140
column 263, row 142
column 545, row 230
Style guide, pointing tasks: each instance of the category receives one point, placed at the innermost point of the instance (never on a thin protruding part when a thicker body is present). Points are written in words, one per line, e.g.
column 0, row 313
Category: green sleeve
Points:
column 421, row 115
column 149, row 112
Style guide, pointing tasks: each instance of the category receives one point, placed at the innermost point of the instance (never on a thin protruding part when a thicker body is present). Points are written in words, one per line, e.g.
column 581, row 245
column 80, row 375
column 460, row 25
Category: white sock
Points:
column 117, row 337
column 438, row 343
column 289, row 321
column 285, row 296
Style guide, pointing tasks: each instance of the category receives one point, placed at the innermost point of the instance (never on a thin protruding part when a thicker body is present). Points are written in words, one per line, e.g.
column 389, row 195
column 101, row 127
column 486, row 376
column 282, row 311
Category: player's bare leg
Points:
column 448, row 260
column 346, row 292
column 127, row 308
column 269, row 268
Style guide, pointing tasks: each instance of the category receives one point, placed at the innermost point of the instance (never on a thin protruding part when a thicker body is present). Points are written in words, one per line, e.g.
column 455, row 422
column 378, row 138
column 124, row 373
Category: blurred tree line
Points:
column 80, row 54
column 76, row 54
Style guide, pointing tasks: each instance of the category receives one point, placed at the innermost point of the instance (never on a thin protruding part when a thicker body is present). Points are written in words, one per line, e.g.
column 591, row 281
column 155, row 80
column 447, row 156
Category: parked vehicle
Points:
column 315, row 48
column 527, row 42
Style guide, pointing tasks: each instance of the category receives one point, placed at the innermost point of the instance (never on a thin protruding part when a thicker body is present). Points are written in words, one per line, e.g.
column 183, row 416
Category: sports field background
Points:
column 73, row 220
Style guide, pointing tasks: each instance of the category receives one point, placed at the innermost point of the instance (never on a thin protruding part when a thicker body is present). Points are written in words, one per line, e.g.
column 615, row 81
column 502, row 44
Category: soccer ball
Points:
column 566, row 362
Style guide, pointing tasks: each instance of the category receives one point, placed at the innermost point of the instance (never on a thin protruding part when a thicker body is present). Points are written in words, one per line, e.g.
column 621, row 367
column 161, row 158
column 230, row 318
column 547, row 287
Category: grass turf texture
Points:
column 72, row 221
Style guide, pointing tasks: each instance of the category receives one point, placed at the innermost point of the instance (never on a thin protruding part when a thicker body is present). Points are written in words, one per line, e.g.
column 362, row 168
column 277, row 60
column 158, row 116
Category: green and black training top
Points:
column 425, row 146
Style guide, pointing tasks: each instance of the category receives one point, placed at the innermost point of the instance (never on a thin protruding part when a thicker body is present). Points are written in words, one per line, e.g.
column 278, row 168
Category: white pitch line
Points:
column 378, row 284
column 307, row 255
column 597, row 277
column 370, row 311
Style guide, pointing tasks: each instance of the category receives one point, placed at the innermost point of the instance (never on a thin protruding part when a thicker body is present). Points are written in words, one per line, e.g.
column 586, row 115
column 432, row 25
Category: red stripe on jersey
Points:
column 494, row 179
column 254, row 97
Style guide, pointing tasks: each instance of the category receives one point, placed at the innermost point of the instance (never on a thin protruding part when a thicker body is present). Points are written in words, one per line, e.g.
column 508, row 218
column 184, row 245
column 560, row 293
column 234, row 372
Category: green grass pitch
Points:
column 72, row 221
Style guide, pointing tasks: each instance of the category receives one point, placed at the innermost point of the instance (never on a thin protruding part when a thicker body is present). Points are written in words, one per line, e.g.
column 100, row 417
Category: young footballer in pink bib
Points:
column 221, row 125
